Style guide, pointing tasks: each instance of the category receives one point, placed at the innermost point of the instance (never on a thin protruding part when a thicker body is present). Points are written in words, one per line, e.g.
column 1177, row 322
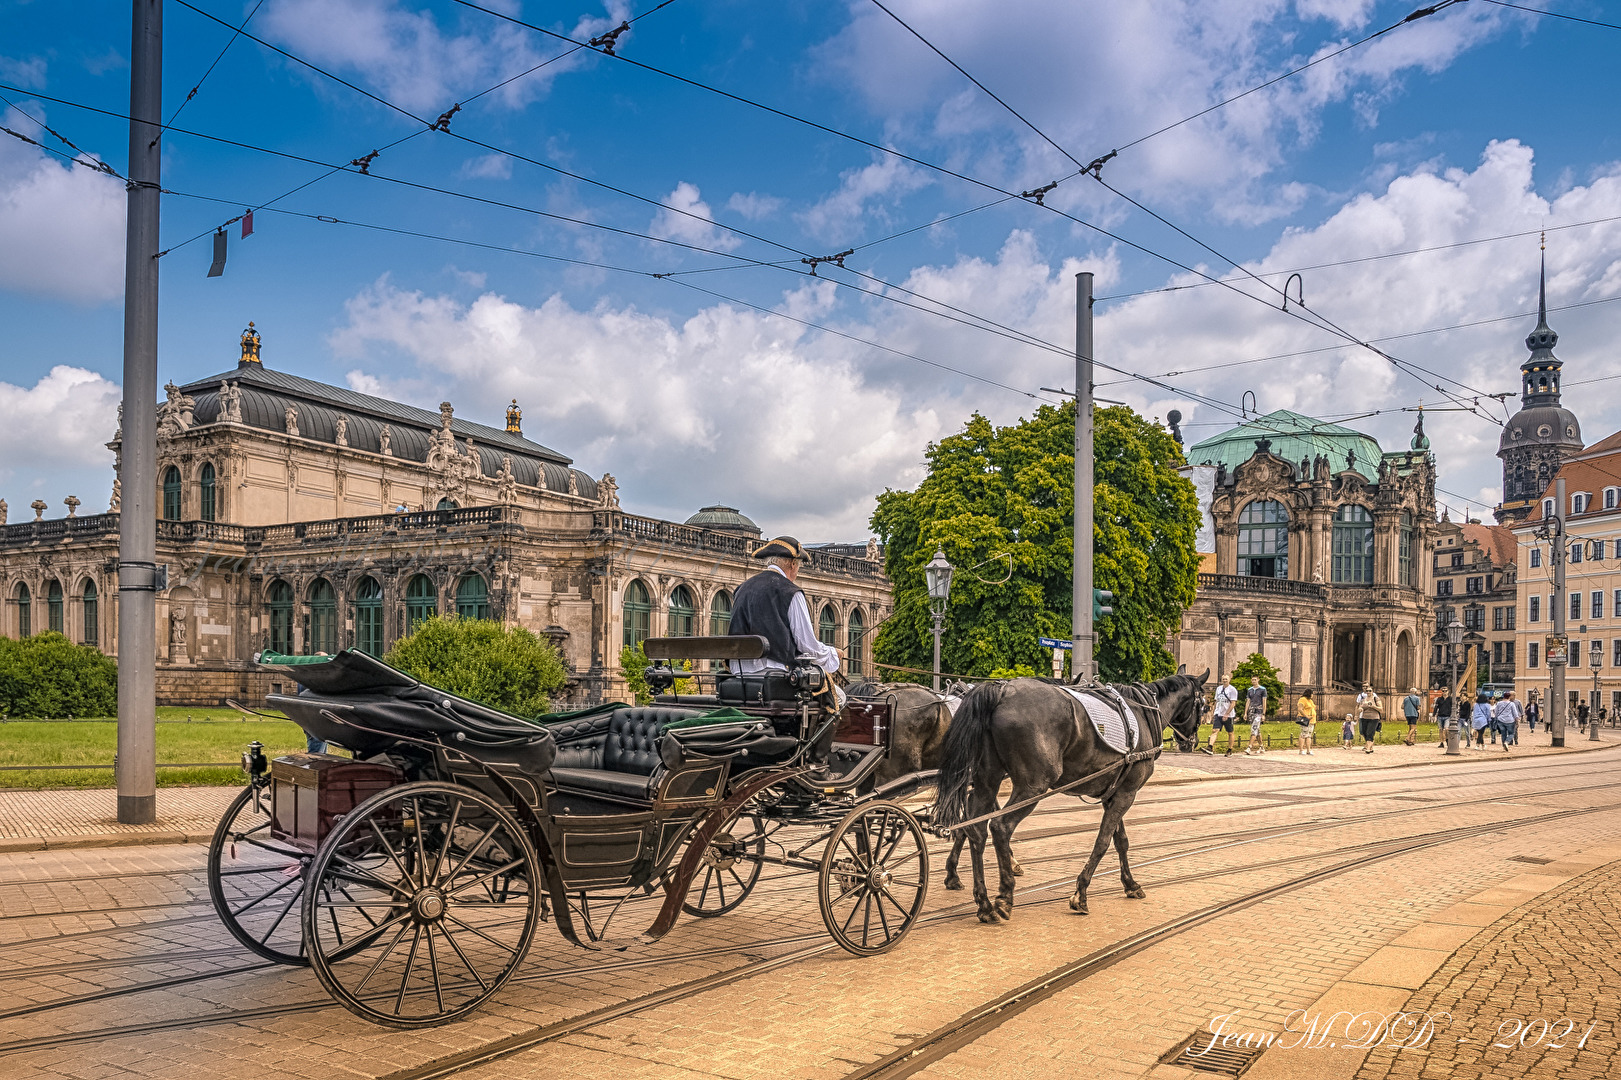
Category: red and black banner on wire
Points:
column 217, row 268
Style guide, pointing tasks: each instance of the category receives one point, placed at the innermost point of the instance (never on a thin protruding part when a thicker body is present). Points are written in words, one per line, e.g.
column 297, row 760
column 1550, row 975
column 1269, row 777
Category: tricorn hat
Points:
column 783, row 547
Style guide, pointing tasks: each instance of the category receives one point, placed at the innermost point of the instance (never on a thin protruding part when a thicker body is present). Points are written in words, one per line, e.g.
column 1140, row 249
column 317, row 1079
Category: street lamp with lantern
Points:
column 937, row 576
column 1454, row 632
column 1596, row 662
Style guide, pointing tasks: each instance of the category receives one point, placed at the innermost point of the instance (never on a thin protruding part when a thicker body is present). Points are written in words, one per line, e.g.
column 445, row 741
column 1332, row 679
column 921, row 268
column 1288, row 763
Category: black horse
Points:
column 1034, row 732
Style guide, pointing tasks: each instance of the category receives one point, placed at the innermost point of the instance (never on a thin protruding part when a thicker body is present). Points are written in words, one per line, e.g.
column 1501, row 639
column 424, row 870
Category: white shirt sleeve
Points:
column 806, row 643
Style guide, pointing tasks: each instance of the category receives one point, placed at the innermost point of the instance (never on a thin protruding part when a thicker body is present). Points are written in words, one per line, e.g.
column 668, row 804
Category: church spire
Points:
column 1541, row 368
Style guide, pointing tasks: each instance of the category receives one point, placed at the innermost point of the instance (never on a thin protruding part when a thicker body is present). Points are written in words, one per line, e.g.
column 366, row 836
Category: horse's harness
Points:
column 1118, row 767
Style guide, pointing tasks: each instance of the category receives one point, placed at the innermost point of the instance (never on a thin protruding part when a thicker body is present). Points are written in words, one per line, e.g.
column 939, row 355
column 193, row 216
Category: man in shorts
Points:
column 1255, row 712
column 1222, row 716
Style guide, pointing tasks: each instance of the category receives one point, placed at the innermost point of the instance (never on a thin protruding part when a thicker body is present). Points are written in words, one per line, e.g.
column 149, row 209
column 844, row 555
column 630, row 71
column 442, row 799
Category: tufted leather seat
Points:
column 754, row 689
column 617, row 754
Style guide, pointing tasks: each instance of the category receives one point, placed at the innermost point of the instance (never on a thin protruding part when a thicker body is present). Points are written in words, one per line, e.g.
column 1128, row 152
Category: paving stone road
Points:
column 112, row 963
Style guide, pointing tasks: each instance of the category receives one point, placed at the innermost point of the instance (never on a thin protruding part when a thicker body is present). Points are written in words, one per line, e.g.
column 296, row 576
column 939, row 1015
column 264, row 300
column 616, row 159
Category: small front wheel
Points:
column 874, row 878
column 422, row 902
column 730, row 868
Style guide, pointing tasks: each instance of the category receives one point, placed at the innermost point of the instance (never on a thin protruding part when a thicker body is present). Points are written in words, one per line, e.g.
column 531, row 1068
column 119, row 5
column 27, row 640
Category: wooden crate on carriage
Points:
column 309, row 792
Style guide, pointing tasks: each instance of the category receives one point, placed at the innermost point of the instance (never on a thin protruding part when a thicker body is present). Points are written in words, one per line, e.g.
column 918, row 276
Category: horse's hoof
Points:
column 954, row 884
column 1077, row 904
column 1136, row 894
column 1018, row 868
column 1003, row 909
column 987, row 916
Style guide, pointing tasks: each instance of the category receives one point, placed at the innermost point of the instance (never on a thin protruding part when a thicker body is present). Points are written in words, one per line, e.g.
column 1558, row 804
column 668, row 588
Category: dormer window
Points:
column 1612, row 496
column 1579, row 501
column 1547, row 508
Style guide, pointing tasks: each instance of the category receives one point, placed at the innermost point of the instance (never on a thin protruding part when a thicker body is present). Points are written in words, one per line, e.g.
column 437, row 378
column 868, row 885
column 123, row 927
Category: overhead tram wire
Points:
column 1555, row 15
column 235, row 33
column 1095, row 170
column 78, row 157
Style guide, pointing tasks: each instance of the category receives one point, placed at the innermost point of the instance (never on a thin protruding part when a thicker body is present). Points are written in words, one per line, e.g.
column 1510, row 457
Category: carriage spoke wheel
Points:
column 874, row 877
column 257, row 881
column 730, row 867
column 422, row 902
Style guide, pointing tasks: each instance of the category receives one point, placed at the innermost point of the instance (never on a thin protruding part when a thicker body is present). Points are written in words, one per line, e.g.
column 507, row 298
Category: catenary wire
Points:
column 1555, row 15
column 235, row 33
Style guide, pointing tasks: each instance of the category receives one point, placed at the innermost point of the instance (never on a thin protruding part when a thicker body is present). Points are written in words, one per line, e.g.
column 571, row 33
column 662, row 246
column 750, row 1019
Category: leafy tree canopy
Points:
column 48, row 676
column 995, row 496
column 1260, row 667
column 506, row 668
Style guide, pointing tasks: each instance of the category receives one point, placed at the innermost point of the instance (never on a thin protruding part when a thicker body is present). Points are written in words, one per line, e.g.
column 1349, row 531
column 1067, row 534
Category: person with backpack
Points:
column 1481, row 718
column 1222, row 714
column 1307, row 721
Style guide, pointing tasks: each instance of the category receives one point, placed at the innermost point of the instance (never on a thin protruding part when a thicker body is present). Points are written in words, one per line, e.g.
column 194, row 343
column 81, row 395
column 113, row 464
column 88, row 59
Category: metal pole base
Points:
column 1452, row 740
column 1592, row 731
column 137, row 809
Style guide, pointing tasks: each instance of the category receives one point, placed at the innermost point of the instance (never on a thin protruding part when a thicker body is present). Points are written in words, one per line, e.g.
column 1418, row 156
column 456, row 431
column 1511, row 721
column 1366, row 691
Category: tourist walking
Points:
column 1255, row 713
column 1411, row 706
column 1369, row 711
column 1222, row 715
column 1581, row 717
column 1533, row 713
column 1307, row 721
column 1443, row 717
column 1347, row 733
column 1508, row 720
column 1481, row 718
column 1492, row 727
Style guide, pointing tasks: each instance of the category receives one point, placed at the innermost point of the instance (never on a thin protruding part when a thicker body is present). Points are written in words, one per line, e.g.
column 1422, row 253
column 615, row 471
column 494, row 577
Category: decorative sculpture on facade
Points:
column 382, row 442
column 514, row 418
column 177, row 629
column 230, row 411
column 290, row 418
column 72, row 503
column 573, row 483
column 250, row 346
column 118, row 436
column 341, row 434
column 112, row 503
column 4, row 509
column 873, row 554
column 608, row 492
column 175, row 414
column 505, row 482
column 39, row 506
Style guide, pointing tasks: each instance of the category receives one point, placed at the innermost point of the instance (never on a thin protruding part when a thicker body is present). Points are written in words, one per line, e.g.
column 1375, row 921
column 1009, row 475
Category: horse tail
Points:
column 965, row 753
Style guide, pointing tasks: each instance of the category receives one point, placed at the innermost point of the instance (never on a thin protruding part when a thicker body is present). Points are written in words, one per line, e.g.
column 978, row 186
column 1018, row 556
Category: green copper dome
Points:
column 1293, row 437
column 724, row 518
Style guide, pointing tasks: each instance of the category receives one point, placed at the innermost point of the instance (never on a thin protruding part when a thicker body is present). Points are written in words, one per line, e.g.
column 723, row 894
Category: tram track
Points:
column 814, row 941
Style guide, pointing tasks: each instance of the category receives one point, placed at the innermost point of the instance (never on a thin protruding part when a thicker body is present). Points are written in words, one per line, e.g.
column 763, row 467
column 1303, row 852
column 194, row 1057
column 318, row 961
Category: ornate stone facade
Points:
column 1317, row 565
column 341, row 527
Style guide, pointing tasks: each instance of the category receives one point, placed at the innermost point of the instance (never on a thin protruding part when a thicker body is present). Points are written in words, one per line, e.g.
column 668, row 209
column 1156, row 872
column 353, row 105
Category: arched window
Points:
column 683, row 613
column 638, row 614
column 25, row 611
column 205, row 491
column 369, row 617
column 171, row 494
column 92, row 619
column 1263, row 539
column 446, row 503
column 1404, row 553
column 858, row 631
column 472, row 598
column 720, row 614
column 1353, row 546
column 53, row 606
column 421, row 602
column 827, row 627
column 279, row 601
column 322, row 633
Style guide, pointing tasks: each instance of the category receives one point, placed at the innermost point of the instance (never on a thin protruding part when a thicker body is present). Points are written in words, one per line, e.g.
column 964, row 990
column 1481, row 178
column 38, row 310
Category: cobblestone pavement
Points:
column 59, row 818
column 1547, row 973
column 112, row 963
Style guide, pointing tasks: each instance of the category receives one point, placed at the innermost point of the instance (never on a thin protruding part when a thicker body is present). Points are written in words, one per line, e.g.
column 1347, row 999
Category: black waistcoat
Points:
column 760, row 606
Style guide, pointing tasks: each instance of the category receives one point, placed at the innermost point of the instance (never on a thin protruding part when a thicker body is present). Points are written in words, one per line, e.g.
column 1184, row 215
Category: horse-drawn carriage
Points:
column 413, row 875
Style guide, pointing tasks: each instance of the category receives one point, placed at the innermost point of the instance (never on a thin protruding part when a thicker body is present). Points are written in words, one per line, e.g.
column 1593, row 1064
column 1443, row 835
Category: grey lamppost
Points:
column 1597, row 662
column 1454, row 632
column 937, row 574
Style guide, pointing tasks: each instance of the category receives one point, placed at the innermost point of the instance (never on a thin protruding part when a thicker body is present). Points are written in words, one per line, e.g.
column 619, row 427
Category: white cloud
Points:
column 690, row 221
column 407, row 57
column 38, row 440
column 61, row 225
column 29, row 72
column 488, row 167
column 362, row 383
column 838, row 217
column 753, row 205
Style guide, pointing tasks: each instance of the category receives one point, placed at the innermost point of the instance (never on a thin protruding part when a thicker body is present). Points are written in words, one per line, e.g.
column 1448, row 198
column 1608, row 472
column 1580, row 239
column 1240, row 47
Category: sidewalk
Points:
column 81, row 818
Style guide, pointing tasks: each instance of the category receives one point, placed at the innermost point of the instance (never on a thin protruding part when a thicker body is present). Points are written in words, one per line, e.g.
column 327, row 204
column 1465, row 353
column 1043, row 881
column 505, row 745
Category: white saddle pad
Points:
column 952, row 702
column 1116, row 726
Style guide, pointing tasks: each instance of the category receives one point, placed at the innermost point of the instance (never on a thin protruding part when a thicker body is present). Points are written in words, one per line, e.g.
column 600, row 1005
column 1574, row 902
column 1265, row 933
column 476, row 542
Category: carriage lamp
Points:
column 937, row 575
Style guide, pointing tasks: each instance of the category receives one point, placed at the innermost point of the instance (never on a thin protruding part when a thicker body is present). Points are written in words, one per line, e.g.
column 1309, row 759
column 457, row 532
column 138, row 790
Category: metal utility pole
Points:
column 1083, row 658
column 1558, row 704
column 137, row 524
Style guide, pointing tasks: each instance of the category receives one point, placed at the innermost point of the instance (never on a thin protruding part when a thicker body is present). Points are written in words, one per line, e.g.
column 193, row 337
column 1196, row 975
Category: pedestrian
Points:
column 1307, row 721
column 1581, row 717
column 1255, row 713
column 1222, row 716
column 1492, row 727
column 1508, row 720
column 1347, row 734
column 1533, row 712
column 1369, row 711
column 1411, row 706
column 1481, row 717
column 1443, row 717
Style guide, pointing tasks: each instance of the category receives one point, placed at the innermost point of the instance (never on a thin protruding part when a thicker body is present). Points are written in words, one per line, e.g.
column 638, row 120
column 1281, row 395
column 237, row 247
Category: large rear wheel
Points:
column 874, row 878
column 257, row 881
column 423, row 901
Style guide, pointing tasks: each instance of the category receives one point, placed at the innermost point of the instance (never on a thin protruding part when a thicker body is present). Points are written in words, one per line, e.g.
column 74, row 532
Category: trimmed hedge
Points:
column 48, row 676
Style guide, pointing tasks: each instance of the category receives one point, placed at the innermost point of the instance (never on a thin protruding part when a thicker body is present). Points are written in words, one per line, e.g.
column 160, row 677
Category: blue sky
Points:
column 1477, row 122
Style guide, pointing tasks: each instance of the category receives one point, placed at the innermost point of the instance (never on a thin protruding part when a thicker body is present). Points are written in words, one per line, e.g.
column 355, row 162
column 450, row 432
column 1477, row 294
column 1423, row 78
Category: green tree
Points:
column 506, row 668
column 633, row 663
column 48, row 676
column 1260, row 667
column 1002, row 500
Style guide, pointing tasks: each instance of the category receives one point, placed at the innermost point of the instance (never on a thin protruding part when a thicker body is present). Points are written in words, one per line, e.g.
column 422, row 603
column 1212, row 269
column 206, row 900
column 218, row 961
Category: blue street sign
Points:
column 1054, row 643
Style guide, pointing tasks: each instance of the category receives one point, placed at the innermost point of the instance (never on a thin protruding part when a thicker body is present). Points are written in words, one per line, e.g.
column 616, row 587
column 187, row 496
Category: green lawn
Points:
column 212, row 735
column 1284, row 734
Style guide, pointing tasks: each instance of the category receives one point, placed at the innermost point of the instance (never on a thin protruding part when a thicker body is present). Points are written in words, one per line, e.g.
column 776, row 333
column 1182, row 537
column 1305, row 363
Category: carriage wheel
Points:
column 874, row 877
column 256, row 881
column 731, row 865
column 423, row 901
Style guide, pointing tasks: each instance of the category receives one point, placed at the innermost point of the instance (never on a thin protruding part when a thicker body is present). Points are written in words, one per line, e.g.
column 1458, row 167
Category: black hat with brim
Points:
column 783, row 547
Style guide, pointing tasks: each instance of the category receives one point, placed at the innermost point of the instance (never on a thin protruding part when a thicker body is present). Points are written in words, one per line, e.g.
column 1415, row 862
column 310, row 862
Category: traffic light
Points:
column 1102, row 599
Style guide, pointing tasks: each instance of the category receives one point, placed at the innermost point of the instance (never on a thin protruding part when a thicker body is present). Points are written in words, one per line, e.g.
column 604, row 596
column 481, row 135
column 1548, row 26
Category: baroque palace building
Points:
column 306, row 518
column 1317, row 554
